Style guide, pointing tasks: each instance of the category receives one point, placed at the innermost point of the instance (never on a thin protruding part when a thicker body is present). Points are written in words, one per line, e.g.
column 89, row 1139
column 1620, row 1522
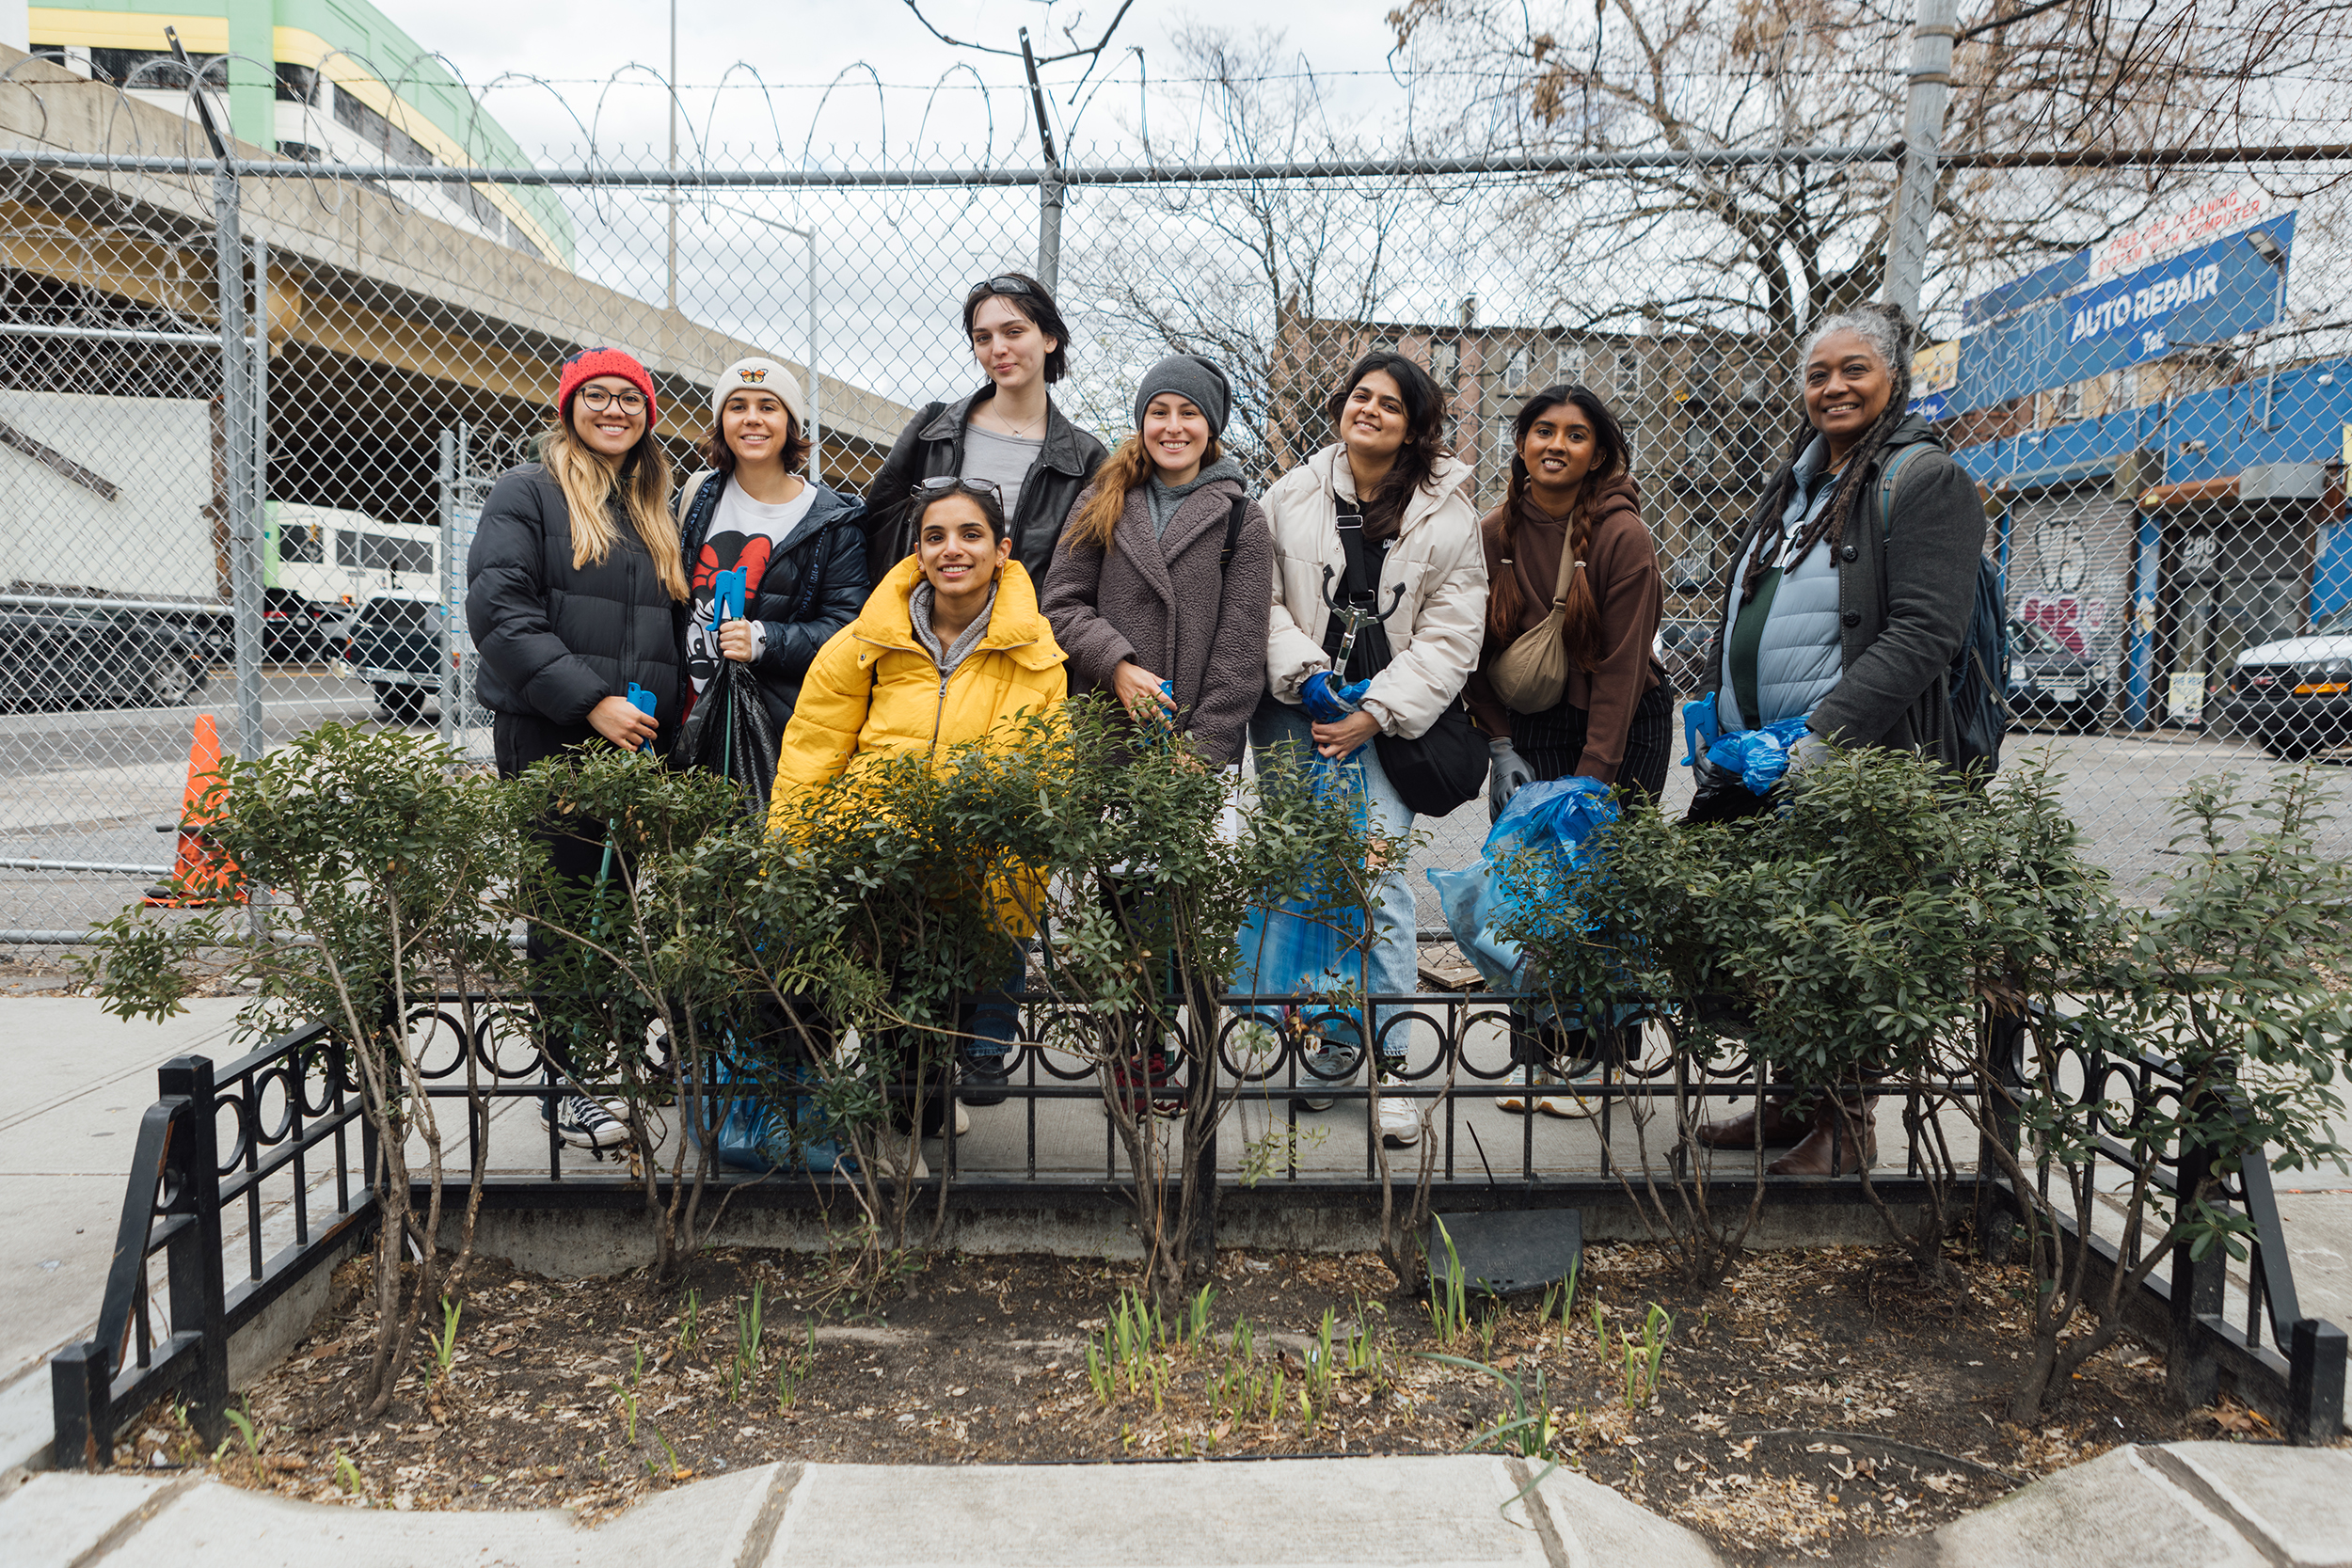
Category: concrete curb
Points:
column 1439, row 1513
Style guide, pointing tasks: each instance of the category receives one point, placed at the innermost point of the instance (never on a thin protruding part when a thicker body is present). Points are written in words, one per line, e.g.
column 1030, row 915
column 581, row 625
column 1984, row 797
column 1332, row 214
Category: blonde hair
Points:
column 642, row 477
column 1122, row 471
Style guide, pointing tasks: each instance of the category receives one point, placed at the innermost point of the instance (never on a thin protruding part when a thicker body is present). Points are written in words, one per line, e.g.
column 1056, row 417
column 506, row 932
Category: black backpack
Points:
column 1976, row 685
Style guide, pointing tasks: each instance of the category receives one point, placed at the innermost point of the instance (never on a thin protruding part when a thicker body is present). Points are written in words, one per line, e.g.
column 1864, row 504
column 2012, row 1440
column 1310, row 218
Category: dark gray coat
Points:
column 1161, row 600
column 1902, row 611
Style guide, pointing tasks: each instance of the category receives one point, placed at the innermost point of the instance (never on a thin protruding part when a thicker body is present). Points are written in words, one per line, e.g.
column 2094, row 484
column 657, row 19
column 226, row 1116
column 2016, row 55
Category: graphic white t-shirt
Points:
column 743, row 534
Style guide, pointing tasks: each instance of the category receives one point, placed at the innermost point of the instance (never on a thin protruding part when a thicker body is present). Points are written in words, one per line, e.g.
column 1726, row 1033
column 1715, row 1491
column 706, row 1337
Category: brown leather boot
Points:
column 1814, row 1156
column 1780, row 1128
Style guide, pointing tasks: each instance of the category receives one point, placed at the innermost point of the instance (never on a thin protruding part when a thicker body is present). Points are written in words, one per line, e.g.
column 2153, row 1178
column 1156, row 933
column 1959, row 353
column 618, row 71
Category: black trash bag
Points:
column 728, row 732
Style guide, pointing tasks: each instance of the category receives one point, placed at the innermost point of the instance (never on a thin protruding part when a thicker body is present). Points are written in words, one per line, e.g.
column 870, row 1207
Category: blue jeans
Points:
column 1391, row 966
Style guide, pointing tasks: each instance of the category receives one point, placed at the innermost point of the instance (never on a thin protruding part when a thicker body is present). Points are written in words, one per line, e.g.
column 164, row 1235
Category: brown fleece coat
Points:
column 1159, row 599
column 1622, row 566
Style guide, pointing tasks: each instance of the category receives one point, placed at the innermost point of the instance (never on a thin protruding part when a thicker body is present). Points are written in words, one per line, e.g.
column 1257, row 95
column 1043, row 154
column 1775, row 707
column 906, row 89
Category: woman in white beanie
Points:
column 800, row 545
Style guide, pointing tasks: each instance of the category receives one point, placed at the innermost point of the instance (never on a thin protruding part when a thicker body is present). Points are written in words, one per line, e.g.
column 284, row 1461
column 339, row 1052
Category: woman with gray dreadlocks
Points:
column 1847, row 600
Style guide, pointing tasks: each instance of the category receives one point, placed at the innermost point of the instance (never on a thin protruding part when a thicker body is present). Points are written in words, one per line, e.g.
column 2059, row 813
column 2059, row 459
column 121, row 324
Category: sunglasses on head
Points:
column 948, row 485
column 1007, row 285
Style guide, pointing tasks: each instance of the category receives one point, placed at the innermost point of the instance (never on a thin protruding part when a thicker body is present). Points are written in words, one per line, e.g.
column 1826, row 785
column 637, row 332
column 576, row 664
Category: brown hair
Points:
column 1128, row 466
column 640, row 478
column 716, row 454
column 1581, row 629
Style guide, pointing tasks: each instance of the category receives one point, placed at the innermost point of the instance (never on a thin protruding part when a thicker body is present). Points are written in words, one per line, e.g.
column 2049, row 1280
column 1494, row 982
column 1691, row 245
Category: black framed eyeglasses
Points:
column 948, row 485
column 596, row 398
column 1005, row 285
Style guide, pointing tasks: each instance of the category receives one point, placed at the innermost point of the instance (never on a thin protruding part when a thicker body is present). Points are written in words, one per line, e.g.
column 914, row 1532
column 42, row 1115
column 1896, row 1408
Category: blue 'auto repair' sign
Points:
column 2067, row 323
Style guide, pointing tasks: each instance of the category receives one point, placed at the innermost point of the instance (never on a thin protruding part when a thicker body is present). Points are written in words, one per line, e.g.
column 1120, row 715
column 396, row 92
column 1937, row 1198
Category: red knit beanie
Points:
column 589, row 363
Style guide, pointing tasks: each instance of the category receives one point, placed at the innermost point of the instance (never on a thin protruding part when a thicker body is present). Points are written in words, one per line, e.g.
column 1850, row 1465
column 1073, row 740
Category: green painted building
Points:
column 324, row 81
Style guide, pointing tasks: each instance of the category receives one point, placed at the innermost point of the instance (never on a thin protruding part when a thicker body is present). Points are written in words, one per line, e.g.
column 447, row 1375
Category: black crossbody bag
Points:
column 1445, row 764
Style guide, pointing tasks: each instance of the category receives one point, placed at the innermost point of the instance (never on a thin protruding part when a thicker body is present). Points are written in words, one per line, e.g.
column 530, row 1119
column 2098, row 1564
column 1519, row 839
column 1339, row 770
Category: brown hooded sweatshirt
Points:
column 1622, row 562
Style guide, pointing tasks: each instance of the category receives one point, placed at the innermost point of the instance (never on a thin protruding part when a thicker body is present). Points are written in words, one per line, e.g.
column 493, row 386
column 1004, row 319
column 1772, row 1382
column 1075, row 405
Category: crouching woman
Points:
column 950, row 646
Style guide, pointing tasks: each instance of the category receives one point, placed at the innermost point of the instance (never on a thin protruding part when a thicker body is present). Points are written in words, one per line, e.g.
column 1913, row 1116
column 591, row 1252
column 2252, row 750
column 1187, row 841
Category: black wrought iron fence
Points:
column 271, row 1136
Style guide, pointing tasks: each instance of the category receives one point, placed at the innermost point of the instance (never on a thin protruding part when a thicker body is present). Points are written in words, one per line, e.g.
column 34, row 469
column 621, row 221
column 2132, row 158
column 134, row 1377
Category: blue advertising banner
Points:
column 2066, row 323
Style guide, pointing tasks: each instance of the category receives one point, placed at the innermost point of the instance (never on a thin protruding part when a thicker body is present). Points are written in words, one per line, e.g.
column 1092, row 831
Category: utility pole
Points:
column 1929, row 93
column 673, row 86
column 1049, row 188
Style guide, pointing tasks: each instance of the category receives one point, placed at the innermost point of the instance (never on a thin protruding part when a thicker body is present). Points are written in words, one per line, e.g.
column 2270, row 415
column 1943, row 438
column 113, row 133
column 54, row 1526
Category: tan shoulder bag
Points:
column 1532, row 672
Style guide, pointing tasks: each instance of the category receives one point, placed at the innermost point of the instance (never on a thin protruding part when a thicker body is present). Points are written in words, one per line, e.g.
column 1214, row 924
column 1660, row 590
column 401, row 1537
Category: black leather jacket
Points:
column 815, row 583
column 933, row 444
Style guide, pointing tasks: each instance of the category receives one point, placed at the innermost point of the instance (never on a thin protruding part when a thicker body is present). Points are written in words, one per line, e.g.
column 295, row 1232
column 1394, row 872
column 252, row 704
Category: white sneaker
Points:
column 1399, row 1118
column 1529, row 1105
column 963, row 1119
column 582, row 1122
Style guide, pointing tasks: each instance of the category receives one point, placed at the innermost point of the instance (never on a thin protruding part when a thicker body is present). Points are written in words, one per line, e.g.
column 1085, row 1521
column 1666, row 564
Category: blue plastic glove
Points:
column 1328, row 703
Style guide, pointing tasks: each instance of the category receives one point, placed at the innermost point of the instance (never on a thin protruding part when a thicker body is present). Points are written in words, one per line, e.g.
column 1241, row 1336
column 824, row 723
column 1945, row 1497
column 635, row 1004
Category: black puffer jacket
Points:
column 815, row 583
column 933, row 444
column 555, row 640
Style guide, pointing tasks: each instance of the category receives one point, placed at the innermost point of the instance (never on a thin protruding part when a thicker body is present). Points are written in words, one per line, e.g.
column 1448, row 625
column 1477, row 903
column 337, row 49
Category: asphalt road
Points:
column 92, row 789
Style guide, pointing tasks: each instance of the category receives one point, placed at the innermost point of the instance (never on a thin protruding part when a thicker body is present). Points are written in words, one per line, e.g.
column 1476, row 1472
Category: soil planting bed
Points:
column 1814, row 1399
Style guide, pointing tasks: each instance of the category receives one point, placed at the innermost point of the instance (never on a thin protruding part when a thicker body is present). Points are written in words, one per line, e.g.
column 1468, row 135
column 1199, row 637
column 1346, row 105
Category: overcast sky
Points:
column 801, row 45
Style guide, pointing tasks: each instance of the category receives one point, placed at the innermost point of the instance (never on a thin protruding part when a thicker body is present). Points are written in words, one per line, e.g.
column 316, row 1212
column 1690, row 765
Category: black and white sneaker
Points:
column 583, row 1123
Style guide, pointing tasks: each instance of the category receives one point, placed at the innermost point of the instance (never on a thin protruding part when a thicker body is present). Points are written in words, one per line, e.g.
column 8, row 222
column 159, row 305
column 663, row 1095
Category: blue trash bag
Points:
column 1555, row 817
column 763, row 1134
column 1287, row 949
column 1758, row 756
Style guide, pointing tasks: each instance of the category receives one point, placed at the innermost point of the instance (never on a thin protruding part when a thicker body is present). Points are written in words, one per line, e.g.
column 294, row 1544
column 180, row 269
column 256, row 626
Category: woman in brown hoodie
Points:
column 1570, row 492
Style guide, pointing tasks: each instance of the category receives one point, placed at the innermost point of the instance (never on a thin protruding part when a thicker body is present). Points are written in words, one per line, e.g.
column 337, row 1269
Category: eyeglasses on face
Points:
column 1006, row 285
column 597, row 399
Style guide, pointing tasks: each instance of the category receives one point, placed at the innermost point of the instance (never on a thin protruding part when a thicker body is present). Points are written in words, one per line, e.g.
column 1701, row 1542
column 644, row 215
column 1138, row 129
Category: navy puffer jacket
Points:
column 556, row 641
column 815, row 583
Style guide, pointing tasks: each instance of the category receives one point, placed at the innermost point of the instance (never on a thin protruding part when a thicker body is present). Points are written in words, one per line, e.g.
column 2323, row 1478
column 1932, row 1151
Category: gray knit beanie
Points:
column 1192, row 377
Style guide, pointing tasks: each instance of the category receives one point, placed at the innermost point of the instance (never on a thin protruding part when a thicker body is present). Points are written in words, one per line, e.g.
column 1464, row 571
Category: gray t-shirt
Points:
column 1005, row 461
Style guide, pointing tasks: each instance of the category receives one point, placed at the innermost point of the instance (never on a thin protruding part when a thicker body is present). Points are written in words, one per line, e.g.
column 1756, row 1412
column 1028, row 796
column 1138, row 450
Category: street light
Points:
column 2266, row 247
column 816, row 427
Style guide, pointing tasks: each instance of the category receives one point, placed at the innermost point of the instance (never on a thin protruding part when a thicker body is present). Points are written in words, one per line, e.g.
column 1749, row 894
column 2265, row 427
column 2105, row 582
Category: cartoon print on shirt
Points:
column 721, row 552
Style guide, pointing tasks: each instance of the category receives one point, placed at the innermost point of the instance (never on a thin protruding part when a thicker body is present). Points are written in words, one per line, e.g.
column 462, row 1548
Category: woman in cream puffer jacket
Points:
column 1420, row 535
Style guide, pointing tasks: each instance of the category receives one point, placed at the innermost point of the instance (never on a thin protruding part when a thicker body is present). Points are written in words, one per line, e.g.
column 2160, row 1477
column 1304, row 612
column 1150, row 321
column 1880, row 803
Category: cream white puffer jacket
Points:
column 1438, row 625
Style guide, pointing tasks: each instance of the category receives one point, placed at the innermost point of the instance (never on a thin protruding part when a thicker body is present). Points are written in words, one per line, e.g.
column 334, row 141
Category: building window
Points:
column 1571, row 364
column 1445, row 361
column 1629, row 374
column 1515, row 369
column 1502, row 448
column 377, row 132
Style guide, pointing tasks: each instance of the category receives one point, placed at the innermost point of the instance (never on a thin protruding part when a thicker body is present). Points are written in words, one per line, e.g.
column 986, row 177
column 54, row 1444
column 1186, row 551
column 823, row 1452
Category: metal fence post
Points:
column 447, row 588
column 192, row 1258
column 1930, row 91
column 1049, row 188
column 2315, row 1383
column 2190, row 1372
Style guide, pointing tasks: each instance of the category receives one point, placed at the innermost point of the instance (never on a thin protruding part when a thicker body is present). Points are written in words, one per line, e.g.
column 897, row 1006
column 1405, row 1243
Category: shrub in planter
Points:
column 635, row 989
column 2196, row 1034
column 381, row 854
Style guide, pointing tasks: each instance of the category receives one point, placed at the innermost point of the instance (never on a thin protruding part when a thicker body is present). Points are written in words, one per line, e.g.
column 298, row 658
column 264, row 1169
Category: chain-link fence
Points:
column 245, row 488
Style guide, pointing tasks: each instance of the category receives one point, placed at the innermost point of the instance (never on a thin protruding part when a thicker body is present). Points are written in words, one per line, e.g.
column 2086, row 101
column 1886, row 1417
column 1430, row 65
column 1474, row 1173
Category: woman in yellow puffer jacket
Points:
column 950, row 646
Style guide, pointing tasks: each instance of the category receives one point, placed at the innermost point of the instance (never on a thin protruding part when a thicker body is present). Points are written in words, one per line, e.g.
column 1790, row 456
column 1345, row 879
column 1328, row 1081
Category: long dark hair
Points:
column 1504, row 596
column 1887, row 330
column 1425, row 435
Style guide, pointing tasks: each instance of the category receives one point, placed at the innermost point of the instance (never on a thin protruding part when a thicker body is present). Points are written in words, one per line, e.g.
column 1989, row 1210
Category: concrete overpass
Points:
column 386, row 326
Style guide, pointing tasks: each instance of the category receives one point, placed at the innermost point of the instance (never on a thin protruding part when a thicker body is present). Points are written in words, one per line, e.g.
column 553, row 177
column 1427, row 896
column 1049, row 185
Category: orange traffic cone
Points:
column 200, row 874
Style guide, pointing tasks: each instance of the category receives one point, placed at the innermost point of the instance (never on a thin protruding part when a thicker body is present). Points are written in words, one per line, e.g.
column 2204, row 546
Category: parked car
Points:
column 2294, row 695
column 396, row 643
column 97, row 658
column 2050, row 682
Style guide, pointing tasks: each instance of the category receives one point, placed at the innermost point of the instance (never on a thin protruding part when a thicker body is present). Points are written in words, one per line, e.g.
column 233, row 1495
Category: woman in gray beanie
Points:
column 1163, row 578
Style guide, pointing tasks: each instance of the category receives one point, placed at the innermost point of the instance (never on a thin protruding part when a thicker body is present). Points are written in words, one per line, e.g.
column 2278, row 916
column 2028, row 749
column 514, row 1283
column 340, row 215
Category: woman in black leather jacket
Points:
column 799, row 543
column 1009, row 432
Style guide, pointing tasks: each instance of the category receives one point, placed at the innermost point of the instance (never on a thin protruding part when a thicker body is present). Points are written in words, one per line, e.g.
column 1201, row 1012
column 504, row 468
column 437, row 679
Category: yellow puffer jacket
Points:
column 874, row 688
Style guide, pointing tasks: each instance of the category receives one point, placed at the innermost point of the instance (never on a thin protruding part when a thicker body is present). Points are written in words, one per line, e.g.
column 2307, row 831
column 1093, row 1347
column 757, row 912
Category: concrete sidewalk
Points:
column 2185, row 1506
